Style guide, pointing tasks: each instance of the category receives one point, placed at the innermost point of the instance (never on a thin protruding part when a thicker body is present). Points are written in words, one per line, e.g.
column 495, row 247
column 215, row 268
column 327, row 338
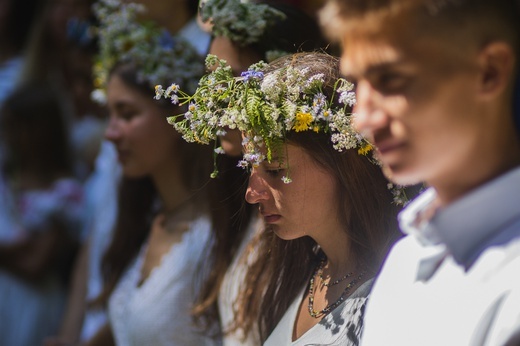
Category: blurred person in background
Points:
column 16, row 20
column 60, row 52
column 41, row 215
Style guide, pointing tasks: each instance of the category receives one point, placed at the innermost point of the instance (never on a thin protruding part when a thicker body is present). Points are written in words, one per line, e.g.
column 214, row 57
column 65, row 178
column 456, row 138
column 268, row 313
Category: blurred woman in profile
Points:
column 165, row 215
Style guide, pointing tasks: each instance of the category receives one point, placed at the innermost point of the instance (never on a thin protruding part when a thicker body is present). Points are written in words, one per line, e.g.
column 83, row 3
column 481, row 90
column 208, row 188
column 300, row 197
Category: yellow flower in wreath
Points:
column 365, row 149
column 302, row 122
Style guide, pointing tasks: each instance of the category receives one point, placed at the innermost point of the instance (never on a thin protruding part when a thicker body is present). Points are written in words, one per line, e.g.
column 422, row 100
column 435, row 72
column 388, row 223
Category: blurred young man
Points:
column 435, row 82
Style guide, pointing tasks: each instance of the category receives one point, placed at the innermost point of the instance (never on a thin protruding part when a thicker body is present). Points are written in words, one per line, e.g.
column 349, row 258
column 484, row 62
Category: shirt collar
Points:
column 468, row 223
column 197, row 37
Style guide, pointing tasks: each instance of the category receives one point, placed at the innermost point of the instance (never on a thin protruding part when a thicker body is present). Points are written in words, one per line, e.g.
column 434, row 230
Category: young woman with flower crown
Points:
column 243, row 33
column 82, row 321
column 165, row 215
column 328, row 211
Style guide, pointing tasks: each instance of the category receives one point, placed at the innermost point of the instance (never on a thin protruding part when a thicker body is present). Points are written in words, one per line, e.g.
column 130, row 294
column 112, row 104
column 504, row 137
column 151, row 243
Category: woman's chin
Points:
column 133, row 173
column 283, row 233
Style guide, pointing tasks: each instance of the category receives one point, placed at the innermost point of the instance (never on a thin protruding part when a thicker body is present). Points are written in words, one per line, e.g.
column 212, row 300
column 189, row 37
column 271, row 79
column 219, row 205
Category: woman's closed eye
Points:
column 274, row 172
column 124, row 111
column 127, row 114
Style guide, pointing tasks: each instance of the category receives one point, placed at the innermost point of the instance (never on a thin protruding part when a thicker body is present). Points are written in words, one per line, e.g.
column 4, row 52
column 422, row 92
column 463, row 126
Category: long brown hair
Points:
column 365, row 204
column 230, row 216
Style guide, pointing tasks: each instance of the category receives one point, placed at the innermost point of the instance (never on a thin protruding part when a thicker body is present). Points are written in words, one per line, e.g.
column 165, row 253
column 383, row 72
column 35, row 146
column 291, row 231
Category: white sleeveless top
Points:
column 158, row 312
column 342, row 326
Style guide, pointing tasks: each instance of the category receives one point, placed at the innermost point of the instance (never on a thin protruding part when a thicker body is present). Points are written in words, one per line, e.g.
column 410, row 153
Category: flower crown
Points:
column 159, row 56
column 265, row 108
column 242, row 21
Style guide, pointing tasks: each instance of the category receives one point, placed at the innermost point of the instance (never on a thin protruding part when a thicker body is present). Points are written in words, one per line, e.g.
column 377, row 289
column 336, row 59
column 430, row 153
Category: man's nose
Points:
column 369, row 116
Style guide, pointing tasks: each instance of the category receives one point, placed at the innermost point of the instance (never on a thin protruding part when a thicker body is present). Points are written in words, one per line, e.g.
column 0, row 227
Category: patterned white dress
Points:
column 342, row 326
column 158, row 311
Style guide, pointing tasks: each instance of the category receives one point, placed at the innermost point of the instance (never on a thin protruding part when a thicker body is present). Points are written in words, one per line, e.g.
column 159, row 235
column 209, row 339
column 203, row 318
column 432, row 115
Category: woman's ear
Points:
column 496, row 61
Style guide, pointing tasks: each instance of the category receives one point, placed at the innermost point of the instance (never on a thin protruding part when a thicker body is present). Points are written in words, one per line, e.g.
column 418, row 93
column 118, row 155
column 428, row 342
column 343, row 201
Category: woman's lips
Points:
column 271, row 218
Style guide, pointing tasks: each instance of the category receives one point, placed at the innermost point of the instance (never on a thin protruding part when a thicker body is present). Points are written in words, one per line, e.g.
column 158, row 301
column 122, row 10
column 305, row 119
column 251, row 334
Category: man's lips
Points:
column 387, row 146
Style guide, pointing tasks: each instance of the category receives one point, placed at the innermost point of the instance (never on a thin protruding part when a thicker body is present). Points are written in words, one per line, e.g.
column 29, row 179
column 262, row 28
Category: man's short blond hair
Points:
column 485, row 20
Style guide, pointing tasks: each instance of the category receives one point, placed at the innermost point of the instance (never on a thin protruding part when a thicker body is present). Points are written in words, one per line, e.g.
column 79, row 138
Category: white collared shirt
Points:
column 454, row 280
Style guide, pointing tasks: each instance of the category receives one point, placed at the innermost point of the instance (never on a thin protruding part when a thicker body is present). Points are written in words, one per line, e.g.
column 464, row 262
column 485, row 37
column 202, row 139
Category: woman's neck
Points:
column 170, row 187
column 336, row 247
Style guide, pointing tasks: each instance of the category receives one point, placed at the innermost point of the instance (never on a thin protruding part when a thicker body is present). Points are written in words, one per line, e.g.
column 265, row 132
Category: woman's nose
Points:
column 112, row 131
column 256, row 188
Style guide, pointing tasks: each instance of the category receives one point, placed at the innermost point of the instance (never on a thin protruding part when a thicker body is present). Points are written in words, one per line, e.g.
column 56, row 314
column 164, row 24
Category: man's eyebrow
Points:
column 372, row 69
column 382, row 67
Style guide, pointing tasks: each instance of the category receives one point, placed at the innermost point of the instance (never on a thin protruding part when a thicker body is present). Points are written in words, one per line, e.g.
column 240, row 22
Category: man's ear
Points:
column 496, row 61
